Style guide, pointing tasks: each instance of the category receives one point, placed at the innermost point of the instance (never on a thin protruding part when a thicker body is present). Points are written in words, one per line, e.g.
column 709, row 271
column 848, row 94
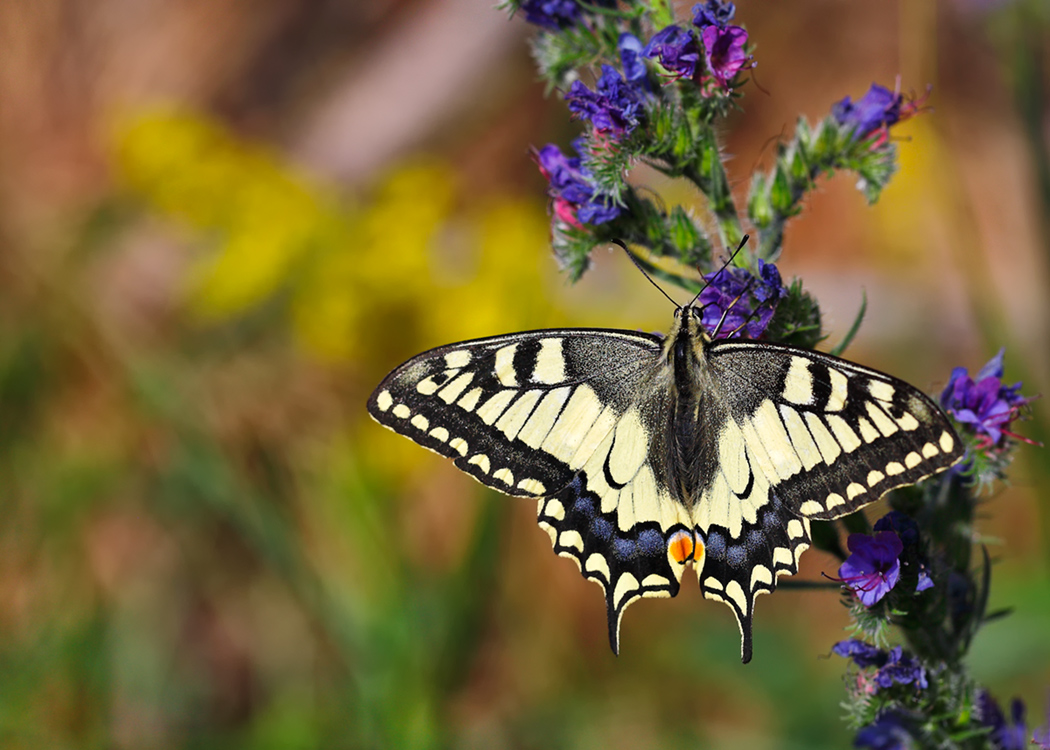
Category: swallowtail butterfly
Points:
column 647, row 454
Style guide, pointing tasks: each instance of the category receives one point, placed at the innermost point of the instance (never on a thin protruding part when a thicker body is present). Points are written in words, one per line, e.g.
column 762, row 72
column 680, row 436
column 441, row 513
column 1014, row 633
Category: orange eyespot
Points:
column 681, row 548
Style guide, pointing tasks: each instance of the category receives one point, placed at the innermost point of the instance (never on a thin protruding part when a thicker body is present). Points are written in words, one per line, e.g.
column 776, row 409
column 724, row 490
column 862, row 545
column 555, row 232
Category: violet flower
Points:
column 613, row 108
column 677, row 50
column 552, row 14
column 893, row 667
column 724, row 52
column 889, row 732
column 576, row 201
column 737, row 303
column 878, row 108
column 982, row 403
column 1005, row 735
column 632, row 58
column 873, row 567
column 713, row 13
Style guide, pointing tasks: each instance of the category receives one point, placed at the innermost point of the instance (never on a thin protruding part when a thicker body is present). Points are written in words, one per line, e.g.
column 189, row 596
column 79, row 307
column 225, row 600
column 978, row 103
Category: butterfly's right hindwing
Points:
column 517, row 412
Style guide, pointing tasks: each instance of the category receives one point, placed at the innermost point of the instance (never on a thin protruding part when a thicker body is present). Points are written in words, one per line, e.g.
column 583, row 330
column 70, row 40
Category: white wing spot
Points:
column 907, row 422
column 874, row 477
column 946, row 442
column 420, row 422
column 427, row 386
column 570, row 538
column 880, row 390
column 470, row 401
column 834, row 500
column 846, row 437
column 625, row 587
column 459, row 445
column 798, row 384
column 553, row 508
column 491, row 409
column 782, row 556
column 839, row 383
column 811, row 507
column 439, row 433
column 893, row 468
column 884, row 424
column 761, row 574
column 402, row 412
column 481, row 461
column 451, row 392
column 912, row 460
column 534, row 486
column 829, row 449
column 795, row 529
column 869, row 433
column 505, row 366
column 504, row 475
column 550, row 362
column 713, row 583
column 458, row 358
column 384, row 400
column 597, row 564
column 854, row 490
column 736, row 592
column 551, row 531
column 929, row 450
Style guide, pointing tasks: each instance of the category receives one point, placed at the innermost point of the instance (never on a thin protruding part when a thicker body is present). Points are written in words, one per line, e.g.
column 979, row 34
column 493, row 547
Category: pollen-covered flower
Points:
column 873, row 567
column 576, row 202
column 889, row 732
column 713, row 13
column 1005, row 735
column 724, row 52
column 878, row 108
column 677, row 50
column 982, row 403
column 737, row 303
column 613, row 108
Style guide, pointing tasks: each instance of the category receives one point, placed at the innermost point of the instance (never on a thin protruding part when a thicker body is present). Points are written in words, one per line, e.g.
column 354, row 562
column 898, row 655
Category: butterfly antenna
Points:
column 638, row 265
column 724, row 267
column 748, row 319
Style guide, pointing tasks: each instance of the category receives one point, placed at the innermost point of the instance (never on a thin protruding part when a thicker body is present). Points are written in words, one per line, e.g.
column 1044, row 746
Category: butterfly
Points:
column 647, row 454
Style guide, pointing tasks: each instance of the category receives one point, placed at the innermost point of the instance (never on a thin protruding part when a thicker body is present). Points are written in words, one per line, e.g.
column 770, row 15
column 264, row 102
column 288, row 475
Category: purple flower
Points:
column 1012, row 735
column 677, row 50
column 576, row 201
column 613, row 108
column 983, row 403
column 893, row 667
column 878, row 108
column 737, row 303
column 552, row 14
column 887, row 733
column 901, row 523
column 713, row 13
column 873, row 567
column 633, row 59
column 925, row 582
column 863, row 654
column 724, row 52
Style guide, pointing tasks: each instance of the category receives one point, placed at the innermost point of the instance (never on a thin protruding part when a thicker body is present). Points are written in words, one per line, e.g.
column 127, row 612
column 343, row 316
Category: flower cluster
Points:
column 1004, row 734
column 737, row 303
column 556, row 14
column 614, row 108
column 892, row 667
column 982, row 404
column 888, row 732
column 722, row 47
column 576, row 201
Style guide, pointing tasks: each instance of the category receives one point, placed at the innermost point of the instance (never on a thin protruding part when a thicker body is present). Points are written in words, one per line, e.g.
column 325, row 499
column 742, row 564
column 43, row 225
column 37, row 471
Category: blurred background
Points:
column 222, row 223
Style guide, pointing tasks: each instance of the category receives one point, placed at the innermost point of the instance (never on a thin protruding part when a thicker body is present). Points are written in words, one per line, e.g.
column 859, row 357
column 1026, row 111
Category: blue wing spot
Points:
column 624, row 548
column 755, row 538
column 716, row 545
column 736, row 555
column 651, row 542
column 601, row 528
column 584, row 505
